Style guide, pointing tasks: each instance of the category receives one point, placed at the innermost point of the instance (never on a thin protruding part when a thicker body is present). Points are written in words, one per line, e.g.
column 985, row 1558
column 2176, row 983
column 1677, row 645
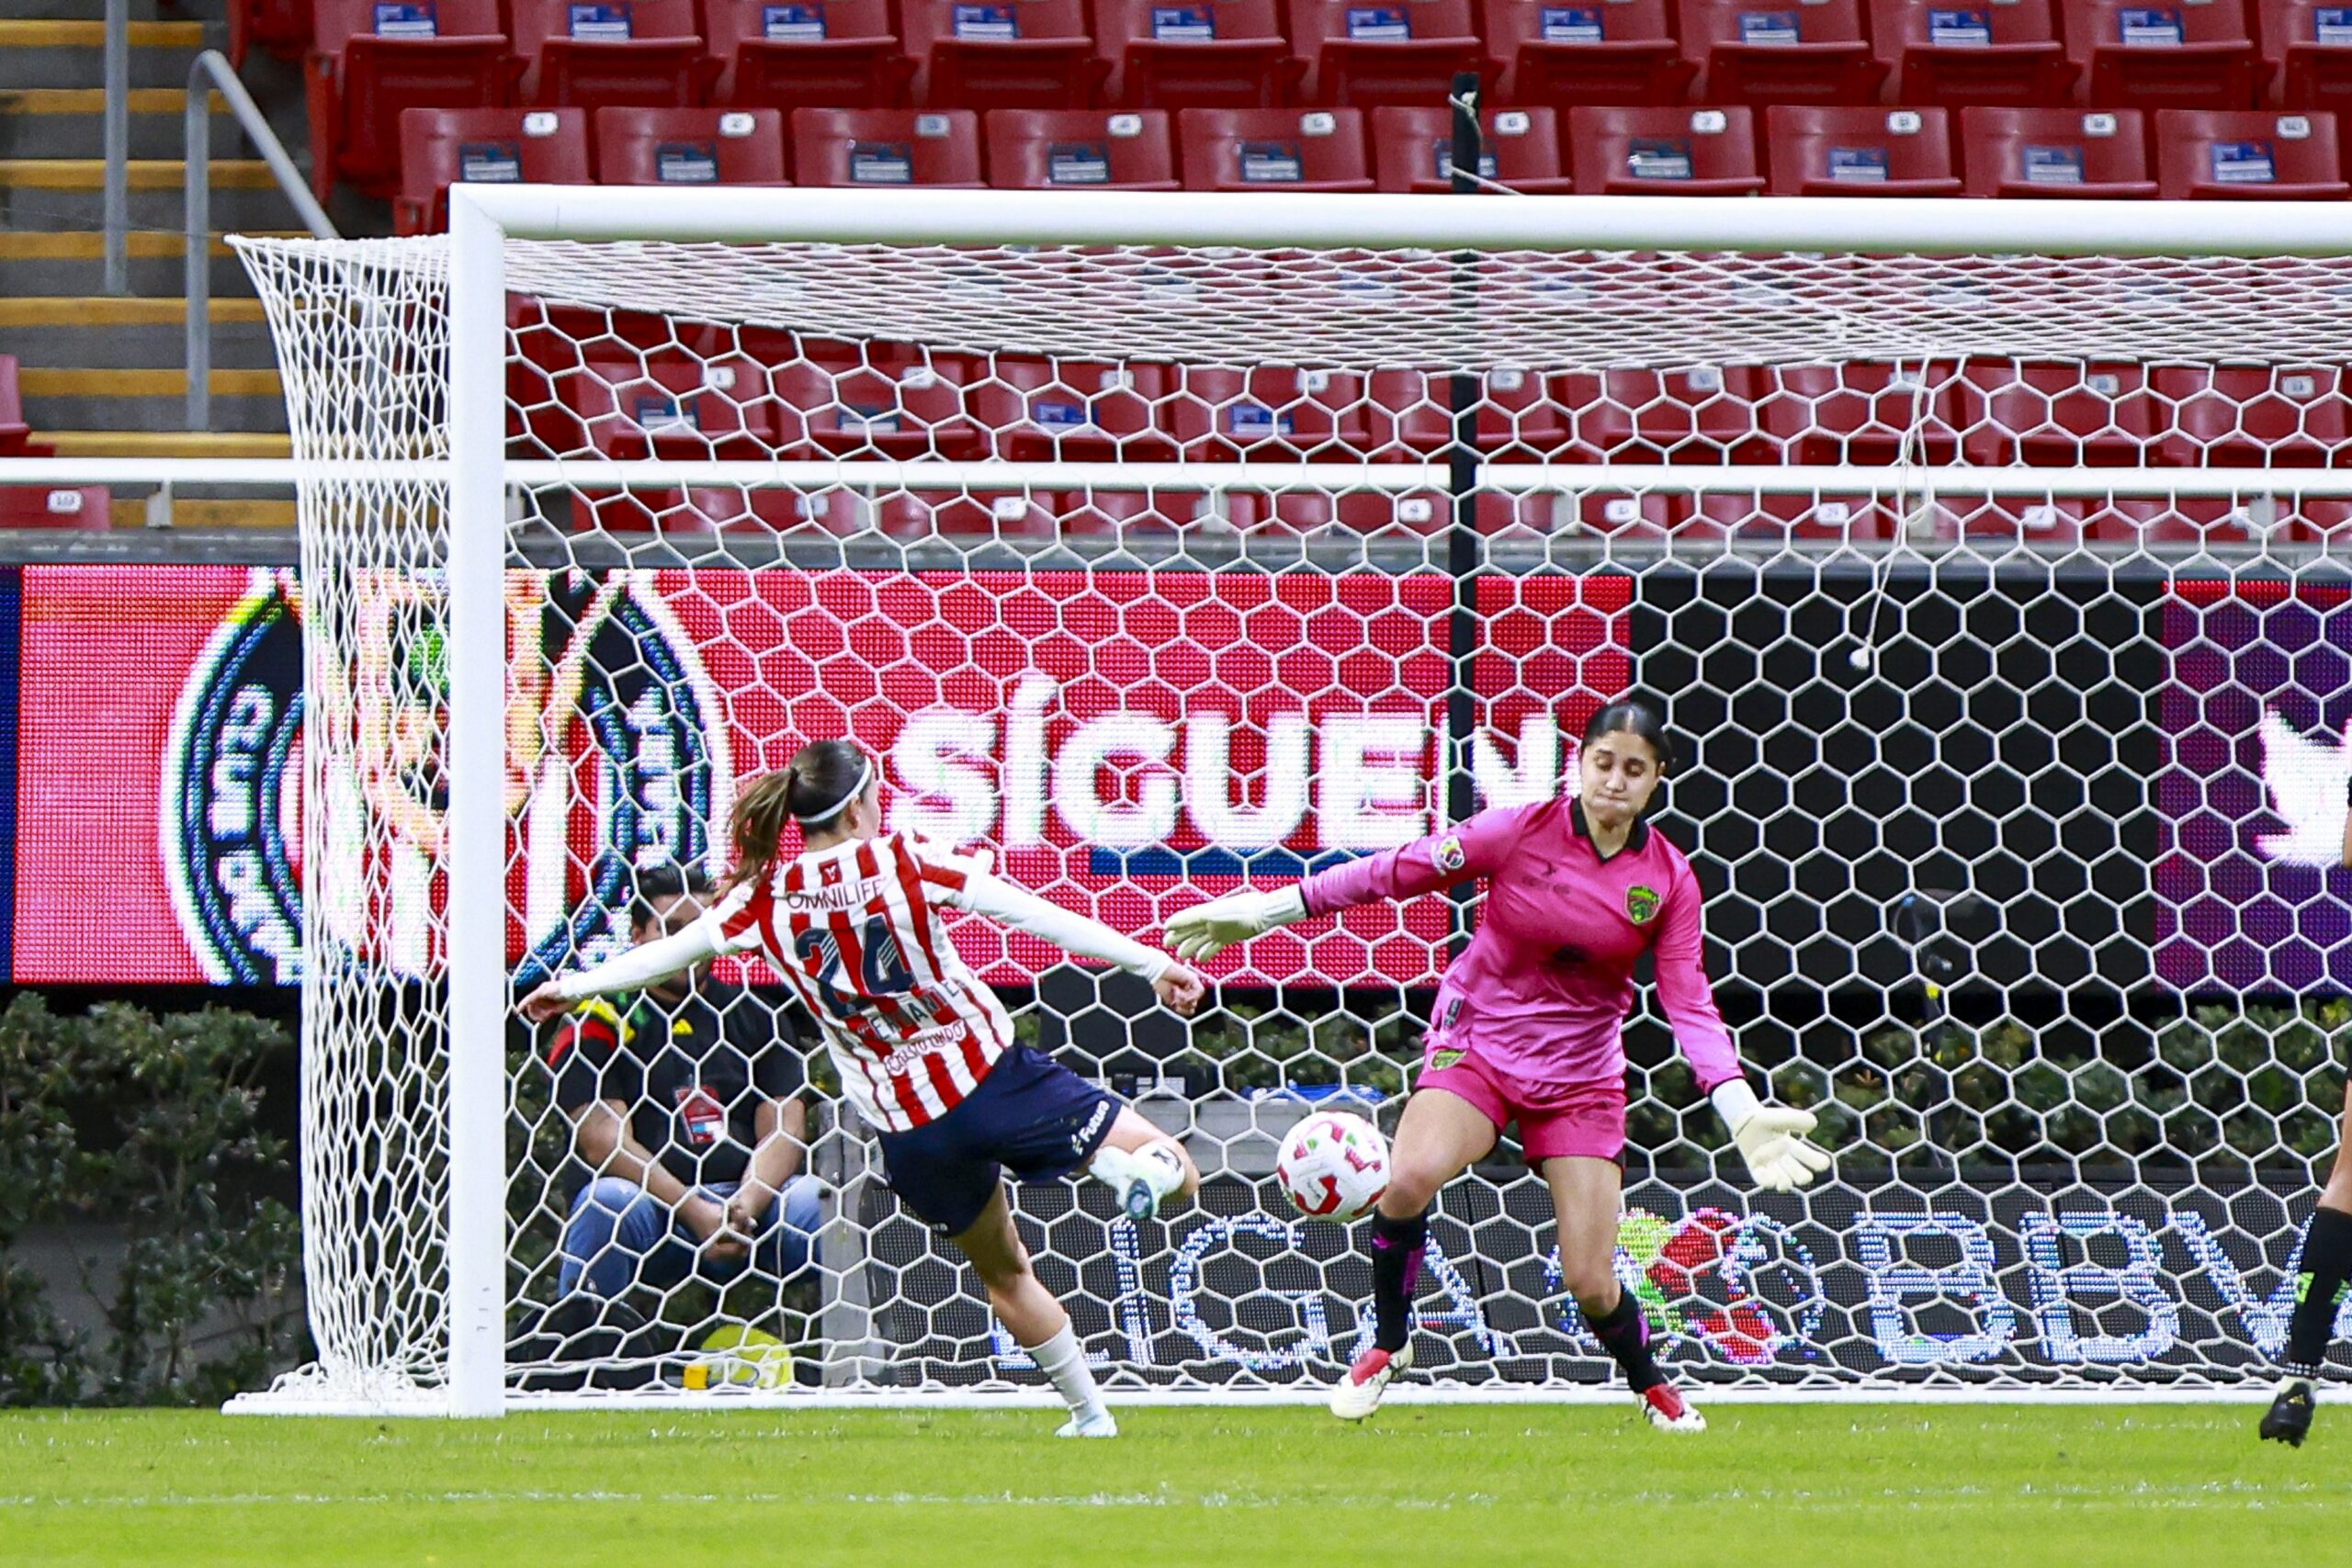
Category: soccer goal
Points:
column 1987, row 556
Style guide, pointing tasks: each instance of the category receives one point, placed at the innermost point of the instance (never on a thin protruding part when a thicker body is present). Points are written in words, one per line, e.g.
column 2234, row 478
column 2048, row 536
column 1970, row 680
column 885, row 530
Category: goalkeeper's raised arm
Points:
column 1527, row 1028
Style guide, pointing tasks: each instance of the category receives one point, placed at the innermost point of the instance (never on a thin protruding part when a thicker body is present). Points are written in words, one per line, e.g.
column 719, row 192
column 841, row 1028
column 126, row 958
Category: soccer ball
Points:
column 1334, row 1166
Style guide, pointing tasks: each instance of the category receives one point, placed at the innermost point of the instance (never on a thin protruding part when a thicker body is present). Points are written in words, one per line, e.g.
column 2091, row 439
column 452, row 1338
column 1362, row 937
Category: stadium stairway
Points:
column 105, row 376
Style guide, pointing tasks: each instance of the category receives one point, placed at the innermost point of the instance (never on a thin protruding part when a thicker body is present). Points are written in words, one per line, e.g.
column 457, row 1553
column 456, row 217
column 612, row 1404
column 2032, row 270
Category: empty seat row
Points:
column 746, row 393
column 1043, row 516
column 371, row 58
column 2227, row 155
column 54, row 506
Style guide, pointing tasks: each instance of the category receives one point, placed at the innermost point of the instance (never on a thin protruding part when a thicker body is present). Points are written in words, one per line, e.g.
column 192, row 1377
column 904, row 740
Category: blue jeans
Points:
column 620, row 1234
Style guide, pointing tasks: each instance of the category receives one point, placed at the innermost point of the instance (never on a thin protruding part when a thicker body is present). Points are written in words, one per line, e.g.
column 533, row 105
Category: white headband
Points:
column 865, row 777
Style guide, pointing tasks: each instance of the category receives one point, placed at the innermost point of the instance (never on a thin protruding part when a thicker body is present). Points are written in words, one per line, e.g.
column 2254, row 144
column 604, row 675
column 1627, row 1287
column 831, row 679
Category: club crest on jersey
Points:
column 1451, row 855
column 1641, row 904
column 616, row 685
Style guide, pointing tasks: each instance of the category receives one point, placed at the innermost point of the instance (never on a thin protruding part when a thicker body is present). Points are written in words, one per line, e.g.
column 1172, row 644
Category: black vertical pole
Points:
column 1461, row 477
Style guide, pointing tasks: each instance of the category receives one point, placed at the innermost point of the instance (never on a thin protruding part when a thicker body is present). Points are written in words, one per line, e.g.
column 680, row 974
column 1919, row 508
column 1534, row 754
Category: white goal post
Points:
column 1631, row 443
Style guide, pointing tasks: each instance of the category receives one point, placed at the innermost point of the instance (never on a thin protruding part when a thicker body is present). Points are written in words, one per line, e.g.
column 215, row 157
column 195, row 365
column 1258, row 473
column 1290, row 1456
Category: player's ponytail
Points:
column 818, row 785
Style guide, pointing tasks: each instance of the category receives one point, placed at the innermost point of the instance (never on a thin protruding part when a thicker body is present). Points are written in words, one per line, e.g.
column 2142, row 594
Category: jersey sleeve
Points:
column 735, row 923
column 1467, row 849
column 946, row 874
column 1683, row 989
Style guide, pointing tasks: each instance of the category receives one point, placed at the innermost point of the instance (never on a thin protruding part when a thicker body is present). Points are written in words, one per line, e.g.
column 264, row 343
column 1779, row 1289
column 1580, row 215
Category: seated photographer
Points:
column 686, row 1104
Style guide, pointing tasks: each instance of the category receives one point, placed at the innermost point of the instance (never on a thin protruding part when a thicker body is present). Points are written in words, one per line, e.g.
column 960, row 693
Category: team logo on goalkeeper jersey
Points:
column 1641, row 904
column 1450, row 856
column 616, row 757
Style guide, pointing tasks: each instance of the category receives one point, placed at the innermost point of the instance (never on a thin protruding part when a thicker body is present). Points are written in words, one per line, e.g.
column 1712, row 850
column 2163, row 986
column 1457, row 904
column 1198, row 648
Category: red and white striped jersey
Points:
column 857, row 931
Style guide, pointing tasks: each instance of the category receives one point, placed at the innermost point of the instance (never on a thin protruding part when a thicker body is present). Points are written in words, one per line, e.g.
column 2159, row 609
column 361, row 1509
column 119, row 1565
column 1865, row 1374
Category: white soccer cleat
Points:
column 1358, row 1394
column 1100, row 1425
column 1664, row 1408
column 1142, row 1178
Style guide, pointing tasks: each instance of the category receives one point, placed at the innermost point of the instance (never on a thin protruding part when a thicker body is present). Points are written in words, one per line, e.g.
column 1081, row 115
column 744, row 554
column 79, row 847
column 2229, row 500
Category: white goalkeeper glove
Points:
column 1770, row 1138
column 1206, row 930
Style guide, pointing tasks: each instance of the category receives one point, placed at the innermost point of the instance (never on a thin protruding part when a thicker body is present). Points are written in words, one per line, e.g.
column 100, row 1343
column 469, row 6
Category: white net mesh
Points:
column 1946, row 708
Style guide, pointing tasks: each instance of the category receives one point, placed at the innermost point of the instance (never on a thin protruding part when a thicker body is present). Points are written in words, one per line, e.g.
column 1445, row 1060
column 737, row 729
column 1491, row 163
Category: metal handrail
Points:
column 118, row 144
column 212, row 67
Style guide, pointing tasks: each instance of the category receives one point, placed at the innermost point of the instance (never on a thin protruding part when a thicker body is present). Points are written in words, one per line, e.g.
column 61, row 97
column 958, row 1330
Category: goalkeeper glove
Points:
column 1770, row 1138
column 1206, row 930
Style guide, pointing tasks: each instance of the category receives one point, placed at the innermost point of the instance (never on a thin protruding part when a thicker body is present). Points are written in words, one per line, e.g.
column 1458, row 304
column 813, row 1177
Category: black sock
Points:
column 1624, row 1332
column 2319, row 1288
column 1397, row 1249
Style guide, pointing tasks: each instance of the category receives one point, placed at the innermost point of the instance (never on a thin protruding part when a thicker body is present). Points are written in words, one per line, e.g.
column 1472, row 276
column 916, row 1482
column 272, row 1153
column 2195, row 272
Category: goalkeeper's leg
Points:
column 1441, row 1135
column 2319, row 1291
column 1586, row 1195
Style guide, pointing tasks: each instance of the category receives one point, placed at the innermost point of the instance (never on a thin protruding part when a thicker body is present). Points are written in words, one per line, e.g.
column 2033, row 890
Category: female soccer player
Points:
column 2319, row 1283
column 1526, row 1030
column 856, row 922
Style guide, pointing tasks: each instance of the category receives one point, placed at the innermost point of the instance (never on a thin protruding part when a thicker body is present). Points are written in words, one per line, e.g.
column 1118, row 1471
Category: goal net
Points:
column 1162, row 549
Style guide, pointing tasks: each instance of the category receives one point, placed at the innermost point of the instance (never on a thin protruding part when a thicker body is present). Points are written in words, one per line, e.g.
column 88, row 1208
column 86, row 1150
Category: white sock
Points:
column 1061, row 1360
column 1157, row 1162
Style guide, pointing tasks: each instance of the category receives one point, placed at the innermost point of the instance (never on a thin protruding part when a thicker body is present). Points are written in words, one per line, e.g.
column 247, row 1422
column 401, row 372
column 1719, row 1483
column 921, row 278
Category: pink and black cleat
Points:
column 1664, row 1408
column 1358, row 1394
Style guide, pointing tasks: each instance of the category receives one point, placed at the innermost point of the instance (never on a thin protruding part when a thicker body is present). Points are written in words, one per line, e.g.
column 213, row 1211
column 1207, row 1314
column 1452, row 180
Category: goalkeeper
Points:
column 1526, row 1029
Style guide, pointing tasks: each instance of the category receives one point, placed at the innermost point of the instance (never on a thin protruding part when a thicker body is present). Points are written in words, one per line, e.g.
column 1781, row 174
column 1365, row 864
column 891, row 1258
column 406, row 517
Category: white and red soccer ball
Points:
column 1333, row 1167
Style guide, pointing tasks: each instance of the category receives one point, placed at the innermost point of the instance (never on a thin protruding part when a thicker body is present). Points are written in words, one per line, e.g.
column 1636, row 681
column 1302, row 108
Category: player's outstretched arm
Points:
column 1177, row 989
column 641, row 965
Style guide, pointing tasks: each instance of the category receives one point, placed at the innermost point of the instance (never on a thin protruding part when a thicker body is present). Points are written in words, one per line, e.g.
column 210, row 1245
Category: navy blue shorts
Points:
column 1031, row 1116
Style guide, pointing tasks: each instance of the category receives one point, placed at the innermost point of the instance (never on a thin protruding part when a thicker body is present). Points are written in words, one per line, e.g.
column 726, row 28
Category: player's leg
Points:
column 2319, row 1291
column 1441, row 1134
column 1144, row 1164
column 1586, row 1193
column 615, row 1225
column 1032, row 1315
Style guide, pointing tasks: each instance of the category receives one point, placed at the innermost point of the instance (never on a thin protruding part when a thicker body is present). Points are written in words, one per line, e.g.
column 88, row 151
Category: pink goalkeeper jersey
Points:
column 1542, row 991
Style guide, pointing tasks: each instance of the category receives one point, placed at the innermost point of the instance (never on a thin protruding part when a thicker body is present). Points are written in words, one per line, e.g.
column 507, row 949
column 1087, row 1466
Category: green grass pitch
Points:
column 1789, row 1486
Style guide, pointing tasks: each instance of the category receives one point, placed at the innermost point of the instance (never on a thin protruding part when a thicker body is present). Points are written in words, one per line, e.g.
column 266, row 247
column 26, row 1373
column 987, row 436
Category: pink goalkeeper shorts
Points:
column 1585, row 1120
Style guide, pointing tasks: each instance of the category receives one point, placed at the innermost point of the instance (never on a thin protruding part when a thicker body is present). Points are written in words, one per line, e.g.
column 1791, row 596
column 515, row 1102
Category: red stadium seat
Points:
column 1033, row 410
column 2307, row 54
column 1789, row 519
column 2055, row 152
column 2248, row 155
column 674, row 406
column 1413, row 149
column 16, row 436
column 884, row 399
column 281, row 27
column 2057, row 414
column 1702, row 415
column 1195, row 54
column 1082, row 150
column 2162, row 53
column 1275, row 413
column 1864, row 411
column 2255, row 416
column 908, row 515
column 1412, row 415
column 1390, row 51
column 1858, row 152
column 1274, row 150
column 55, row 506
column 371, row 58
column 593, row 53
column 1787, row 51
column 1134, row 515
column 1001, row 53
column 1590, row 513
column 1623, row 51
column 441, row 147
column 886, row 147
column 667, row 147
column 1991, row 51
column 806, row 53
column 1359, row 512
column 1664, row 151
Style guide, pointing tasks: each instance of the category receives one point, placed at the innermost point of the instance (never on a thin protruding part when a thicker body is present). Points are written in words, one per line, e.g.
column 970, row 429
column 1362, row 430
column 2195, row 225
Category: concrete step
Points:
column 58, row 261
column 146, row 400
column 167, row 444
column 45, row 53
column 70, row 193
column 199, row 512
column 129, row 334
column 69, row 123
